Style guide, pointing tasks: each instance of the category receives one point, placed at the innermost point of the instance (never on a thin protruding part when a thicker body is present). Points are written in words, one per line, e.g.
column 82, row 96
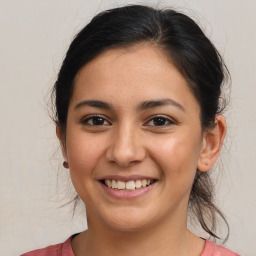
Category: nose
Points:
column 126, row 146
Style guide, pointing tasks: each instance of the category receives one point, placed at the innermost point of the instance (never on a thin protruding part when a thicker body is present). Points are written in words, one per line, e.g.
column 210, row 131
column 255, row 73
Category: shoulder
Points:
column 62, row 249
column 212, row 249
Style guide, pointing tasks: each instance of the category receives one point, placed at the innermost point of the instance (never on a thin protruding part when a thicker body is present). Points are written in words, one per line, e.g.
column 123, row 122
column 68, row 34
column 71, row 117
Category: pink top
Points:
column 65, row 249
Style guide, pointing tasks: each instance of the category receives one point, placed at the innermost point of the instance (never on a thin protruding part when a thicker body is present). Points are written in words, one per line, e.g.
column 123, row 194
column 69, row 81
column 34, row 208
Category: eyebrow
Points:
column 158, row 103
column 94, row 103
column 142, row 106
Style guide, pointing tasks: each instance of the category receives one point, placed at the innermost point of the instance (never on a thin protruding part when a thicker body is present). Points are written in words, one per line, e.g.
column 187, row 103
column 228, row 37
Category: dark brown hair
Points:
column 185, row 44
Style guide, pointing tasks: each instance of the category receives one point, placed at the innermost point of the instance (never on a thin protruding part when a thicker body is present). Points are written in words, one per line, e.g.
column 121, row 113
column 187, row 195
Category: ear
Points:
column 62, row 142
column 212, row 143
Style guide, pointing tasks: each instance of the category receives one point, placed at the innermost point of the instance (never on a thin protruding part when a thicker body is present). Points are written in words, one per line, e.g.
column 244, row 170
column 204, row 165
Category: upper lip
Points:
column 126, row 178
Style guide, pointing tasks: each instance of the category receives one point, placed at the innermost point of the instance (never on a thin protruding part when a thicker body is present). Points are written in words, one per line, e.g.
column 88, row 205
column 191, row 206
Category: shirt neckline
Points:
column 67, row 246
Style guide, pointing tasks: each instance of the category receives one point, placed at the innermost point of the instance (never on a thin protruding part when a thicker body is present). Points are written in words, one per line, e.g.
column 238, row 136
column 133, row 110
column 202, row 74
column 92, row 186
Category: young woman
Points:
column 138, row 116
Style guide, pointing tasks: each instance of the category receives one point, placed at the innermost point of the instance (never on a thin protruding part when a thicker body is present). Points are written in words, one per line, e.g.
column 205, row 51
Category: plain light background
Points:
column 34, row 35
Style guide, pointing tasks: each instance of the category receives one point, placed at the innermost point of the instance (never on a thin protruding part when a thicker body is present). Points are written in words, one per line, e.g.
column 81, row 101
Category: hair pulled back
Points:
column 184, row 43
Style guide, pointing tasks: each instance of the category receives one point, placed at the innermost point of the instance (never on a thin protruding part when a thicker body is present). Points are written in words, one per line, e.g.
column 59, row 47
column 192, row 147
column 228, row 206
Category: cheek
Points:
column 177, row 156
column 84, row 153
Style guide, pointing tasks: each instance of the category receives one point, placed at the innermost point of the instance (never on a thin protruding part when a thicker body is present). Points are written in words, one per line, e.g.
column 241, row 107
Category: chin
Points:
column 131, row 221
column 127, row 226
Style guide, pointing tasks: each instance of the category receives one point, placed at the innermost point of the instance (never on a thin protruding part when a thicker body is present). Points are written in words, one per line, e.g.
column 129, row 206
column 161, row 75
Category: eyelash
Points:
column 92, row 118
column 164, row 118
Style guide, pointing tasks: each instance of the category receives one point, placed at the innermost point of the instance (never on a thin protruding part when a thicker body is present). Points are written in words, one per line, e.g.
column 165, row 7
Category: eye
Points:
column 95, row 120
column 160, row 121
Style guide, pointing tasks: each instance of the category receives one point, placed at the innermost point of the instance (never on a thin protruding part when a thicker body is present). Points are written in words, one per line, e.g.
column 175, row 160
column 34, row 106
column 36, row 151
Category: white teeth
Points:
column 129, row 185
column 144, row 183
column 138, row 183
column 114, row 184
column 109, row 183
column 120, row 184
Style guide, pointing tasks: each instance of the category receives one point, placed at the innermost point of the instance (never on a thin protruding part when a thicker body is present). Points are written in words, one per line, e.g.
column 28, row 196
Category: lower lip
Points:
column 127, row 194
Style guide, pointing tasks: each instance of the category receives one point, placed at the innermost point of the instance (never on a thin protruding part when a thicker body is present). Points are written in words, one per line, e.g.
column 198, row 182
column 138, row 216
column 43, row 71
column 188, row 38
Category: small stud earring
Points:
column 65, row 165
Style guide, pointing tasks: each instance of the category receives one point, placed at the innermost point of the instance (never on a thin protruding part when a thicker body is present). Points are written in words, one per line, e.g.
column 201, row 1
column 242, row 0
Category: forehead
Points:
column 138, row 73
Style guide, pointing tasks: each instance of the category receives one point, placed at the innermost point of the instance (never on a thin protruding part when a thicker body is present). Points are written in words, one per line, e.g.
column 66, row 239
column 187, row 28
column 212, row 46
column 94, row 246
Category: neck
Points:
column 170, row 238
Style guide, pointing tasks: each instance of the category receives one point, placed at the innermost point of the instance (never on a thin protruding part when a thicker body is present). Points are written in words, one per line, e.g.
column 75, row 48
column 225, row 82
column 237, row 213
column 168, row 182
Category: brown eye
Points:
column 160, row 121
column 95, row 121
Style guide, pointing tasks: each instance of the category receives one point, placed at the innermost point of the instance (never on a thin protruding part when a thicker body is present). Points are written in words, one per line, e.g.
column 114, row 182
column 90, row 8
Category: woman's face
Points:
column 134, row 125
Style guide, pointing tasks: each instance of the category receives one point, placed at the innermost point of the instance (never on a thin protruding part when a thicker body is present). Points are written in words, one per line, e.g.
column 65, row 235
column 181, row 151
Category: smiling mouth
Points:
column 127, row 186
